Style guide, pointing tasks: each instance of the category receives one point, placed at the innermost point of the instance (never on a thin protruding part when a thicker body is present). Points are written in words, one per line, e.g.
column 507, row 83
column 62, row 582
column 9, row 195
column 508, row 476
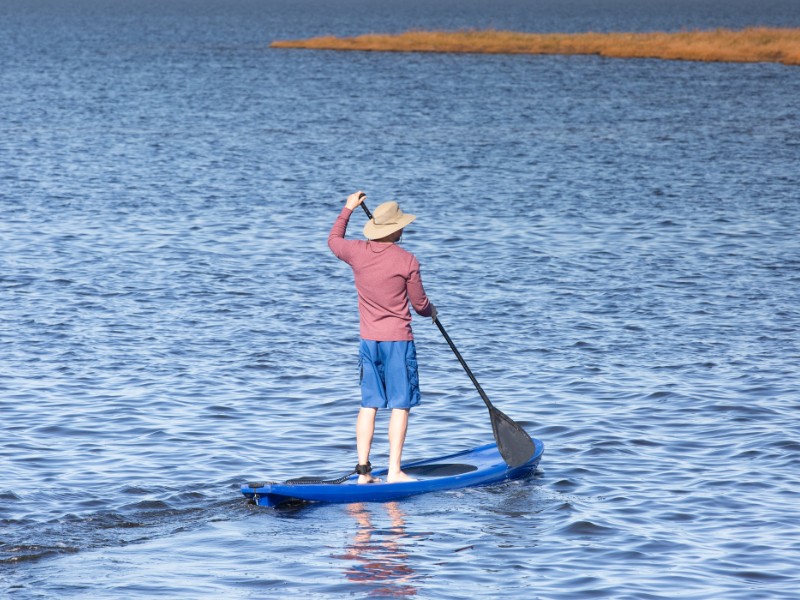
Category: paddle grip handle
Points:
column 366, row 210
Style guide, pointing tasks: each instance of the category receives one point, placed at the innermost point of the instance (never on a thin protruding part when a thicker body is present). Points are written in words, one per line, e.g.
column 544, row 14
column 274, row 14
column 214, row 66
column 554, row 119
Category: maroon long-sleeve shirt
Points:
column 387, row 278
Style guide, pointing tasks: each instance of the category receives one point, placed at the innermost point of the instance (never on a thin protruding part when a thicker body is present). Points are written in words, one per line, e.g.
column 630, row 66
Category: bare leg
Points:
column 365, row 429
column 398, row 425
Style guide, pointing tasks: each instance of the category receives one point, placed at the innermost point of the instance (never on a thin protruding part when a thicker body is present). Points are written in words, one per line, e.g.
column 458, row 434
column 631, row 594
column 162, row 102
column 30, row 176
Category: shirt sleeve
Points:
column 336, row 241
column 416, row 291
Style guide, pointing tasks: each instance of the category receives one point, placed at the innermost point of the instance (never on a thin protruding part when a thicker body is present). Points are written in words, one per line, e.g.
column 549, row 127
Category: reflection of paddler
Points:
column 378, row 556
column 387, row 278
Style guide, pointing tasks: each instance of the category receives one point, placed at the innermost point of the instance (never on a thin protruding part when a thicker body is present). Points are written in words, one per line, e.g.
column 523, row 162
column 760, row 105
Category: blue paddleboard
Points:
column 479, row 466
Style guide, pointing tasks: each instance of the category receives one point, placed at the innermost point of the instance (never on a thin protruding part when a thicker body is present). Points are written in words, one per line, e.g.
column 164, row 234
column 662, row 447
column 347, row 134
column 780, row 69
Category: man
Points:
column 386, row 277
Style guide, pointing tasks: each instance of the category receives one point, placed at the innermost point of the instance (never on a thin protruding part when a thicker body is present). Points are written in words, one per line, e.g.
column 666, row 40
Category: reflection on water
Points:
column 377, row 555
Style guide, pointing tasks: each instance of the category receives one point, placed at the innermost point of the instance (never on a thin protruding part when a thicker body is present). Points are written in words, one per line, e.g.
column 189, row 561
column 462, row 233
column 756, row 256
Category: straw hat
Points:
column 386, row 219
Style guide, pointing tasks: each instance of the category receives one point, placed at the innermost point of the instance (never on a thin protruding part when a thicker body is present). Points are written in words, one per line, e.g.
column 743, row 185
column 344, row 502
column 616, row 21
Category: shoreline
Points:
column 754, row 44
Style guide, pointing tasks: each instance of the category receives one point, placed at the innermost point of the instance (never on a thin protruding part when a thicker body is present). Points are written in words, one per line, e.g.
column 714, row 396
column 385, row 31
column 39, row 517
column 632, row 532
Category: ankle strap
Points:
column 364, row 469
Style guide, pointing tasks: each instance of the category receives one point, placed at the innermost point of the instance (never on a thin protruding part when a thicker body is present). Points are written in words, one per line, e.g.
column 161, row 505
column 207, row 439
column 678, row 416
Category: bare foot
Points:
column 368, row 479
column 398, row 477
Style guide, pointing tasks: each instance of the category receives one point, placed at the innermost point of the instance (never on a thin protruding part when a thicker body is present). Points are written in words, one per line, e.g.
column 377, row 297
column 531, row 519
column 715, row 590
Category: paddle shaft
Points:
column 450, row 343
column 460, row 358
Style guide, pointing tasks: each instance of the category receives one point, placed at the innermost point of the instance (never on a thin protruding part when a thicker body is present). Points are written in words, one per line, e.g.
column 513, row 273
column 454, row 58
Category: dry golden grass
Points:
column 758, row 44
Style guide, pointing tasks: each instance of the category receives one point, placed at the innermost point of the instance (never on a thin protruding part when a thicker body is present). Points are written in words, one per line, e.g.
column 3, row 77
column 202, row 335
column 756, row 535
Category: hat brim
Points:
column 376, row 232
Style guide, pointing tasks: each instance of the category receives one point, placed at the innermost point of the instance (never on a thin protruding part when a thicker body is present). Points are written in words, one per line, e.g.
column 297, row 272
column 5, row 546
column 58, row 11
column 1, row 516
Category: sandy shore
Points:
column 756, row 44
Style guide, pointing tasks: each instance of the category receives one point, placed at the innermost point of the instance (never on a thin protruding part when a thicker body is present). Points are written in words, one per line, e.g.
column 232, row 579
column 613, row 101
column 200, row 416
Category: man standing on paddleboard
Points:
column 387, row 277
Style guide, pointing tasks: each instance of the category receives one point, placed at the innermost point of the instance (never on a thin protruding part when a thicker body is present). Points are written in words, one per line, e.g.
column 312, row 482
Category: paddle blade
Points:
column 515, row 445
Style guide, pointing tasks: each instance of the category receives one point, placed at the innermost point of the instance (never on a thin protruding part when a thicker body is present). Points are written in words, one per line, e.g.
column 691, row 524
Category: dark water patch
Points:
column 586, row 528
column 10, row 554
column 788, row 445
column 134, row 523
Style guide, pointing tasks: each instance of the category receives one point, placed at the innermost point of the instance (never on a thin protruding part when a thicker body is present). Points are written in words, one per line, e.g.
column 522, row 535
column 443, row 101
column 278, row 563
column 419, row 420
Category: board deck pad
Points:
column 439, row 470
column 476, row 467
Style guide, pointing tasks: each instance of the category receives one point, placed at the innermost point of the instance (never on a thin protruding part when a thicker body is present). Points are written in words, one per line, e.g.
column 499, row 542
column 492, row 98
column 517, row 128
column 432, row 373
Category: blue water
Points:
column 612, row 244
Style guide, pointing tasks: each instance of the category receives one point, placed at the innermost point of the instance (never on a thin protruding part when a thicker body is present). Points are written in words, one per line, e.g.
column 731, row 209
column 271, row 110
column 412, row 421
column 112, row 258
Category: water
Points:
column 612, row 245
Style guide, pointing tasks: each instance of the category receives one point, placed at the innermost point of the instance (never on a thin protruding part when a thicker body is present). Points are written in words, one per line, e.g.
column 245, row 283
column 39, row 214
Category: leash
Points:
column 359, row 470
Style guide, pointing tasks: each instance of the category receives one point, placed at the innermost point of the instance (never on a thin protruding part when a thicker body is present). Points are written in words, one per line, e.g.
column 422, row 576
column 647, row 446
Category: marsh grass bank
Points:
column 757, row 44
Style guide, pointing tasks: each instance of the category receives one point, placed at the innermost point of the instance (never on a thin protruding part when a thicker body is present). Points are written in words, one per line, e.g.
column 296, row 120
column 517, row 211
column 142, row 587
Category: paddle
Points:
column 515, row 445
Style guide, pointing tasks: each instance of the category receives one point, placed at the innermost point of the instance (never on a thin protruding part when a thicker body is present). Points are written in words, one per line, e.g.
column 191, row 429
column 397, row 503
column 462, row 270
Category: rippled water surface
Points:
column 613, row 245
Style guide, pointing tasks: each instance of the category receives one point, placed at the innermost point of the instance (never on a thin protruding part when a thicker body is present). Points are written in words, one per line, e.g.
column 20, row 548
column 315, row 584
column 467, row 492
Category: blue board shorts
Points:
column 388, row 374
